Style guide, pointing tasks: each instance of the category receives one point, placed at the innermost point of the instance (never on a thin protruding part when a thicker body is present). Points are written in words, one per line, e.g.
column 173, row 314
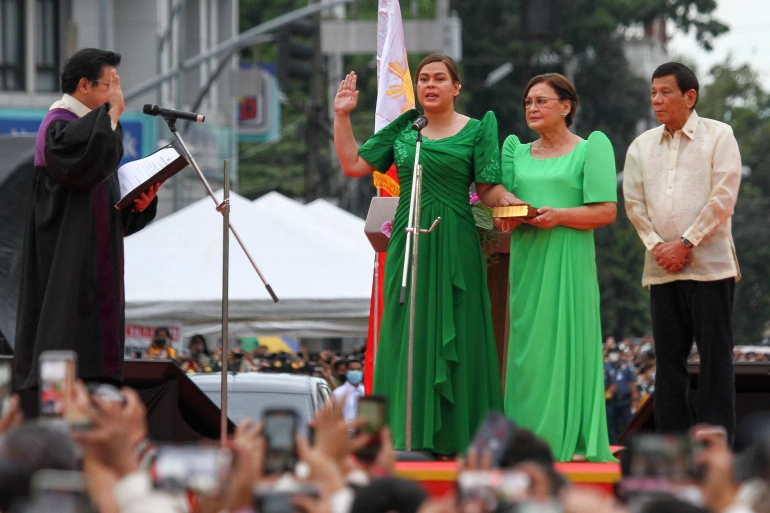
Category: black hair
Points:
column 162, row 328
column 200, row 338
column 340, row 362
column 86, row 63
column 525, row 446
column 388, row 494
column 684, row 76
column 26, row 449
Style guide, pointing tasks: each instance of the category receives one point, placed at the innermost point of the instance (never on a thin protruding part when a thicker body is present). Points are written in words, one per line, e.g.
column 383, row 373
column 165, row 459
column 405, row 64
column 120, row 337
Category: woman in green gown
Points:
column 456, row 377
column 555, row 380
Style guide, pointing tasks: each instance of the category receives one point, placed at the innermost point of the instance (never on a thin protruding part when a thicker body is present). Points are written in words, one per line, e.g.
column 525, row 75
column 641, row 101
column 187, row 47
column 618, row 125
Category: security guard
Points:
column 620, row 393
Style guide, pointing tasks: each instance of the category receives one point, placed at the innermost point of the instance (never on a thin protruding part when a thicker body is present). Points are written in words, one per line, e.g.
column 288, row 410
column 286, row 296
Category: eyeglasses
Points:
column 540, row 101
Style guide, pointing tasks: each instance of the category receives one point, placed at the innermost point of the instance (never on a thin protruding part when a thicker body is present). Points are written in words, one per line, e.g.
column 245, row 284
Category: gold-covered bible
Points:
column 520, row 211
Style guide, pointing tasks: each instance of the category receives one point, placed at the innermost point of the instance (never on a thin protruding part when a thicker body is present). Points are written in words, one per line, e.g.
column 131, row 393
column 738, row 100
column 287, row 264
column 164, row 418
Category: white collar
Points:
column 71, row 104
column 360, row 386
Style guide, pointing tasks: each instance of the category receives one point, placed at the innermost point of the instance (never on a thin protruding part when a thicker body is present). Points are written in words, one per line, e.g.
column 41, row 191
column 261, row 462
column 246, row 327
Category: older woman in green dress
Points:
column 555, row 381
column 456, row 373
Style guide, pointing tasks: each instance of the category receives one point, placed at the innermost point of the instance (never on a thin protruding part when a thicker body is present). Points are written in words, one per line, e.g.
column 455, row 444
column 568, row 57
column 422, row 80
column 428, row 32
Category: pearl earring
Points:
column 564, row 115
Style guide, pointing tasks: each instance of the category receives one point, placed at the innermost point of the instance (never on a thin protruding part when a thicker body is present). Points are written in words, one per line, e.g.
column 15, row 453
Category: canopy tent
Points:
column 16, row 175
column 271, row 342
column 320, row 273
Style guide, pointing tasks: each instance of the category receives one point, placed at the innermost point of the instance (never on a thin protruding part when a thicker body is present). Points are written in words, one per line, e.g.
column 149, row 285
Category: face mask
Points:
column 355, row 376
column 614, row 357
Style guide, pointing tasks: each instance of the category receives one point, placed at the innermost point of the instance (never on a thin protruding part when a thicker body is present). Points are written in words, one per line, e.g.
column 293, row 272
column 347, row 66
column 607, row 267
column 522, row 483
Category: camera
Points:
column 60, row 491
column 280, row 430
column 196, row 468
column 491, row 491
column 492, row 437
column 374, row 410
column 5, row 388
column 107, row 392
column 657, row 463
column 271, row 500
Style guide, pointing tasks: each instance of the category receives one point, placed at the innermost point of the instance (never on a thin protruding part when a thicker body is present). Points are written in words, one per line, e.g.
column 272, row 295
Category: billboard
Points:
column 140, row 132
column 258, row 104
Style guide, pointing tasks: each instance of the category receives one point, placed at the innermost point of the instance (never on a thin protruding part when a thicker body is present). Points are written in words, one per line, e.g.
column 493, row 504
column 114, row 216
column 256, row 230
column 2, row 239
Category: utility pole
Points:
column 316, row 185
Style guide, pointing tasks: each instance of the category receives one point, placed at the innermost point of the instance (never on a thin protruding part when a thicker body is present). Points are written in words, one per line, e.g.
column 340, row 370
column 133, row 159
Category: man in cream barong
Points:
column 681, row 184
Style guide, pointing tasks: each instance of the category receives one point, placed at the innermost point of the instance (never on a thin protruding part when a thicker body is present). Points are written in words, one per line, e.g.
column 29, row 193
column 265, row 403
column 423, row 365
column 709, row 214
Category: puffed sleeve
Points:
column 506, row 160
column 486, row 153
column 600, row 182
column 378, row 150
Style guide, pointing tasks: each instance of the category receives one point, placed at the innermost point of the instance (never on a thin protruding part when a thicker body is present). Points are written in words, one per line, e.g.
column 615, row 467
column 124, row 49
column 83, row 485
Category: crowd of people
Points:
column 438, row 371
column 108, row 465
column 197, row 357
column 625, row 393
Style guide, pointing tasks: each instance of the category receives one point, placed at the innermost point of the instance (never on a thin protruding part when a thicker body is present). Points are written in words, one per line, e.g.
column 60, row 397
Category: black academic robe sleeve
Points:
column 135, row 221
column 80, row 154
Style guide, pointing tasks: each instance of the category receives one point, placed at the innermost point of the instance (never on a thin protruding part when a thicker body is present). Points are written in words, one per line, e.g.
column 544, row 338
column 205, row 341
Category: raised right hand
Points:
column 346, row 98
column 117, row 104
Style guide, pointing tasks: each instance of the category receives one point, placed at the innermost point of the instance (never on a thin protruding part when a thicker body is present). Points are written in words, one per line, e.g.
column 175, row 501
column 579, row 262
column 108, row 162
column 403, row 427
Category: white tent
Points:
column 318, row 266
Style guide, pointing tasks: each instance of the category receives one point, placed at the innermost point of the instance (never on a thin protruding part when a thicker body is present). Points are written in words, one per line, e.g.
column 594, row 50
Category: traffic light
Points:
column 295, row 58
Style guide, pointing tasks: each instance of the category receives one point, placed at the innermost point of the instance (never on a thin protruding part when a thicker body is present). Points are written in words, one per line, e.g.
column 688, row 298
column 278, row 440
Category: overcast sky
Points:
column 748, row 39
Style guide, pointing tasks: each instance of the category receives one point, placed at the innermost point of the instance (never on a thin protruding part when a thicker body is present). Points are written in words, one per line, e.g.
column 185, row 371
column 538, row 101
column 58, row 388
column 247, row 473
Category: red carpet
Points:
column 438, row 478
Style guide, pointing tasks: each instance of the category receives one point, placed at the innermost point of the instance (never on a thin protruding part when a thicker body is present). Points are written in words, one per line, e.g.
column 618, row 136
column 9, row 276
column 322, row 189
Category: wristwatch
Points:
column 686, row 242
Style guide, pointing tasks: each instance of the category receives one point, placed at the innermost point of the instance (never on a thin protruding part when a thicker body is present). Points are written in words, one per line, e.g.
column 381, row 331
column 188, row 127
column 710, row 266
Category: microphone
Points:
column 154, row 110
column 420, row 123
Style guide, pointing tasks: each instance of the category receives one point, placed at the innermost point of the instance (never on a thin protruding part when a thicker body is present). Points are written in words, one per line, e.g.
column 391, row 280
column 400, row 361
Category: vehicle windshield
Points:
column 251, row 405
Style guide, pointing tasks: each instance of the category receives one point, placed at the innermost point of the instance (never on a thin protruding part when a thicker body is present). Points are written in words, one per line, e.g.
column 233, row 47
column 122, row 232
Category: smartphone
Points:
column 106, row 391
column 59, row 491
column 280, row 430
column 196, row 468
column 658, row 461
column 492, row 436
column 374, row 410
column 58, row 371
column 5, row 388
column 491, row 491
column 268, row 500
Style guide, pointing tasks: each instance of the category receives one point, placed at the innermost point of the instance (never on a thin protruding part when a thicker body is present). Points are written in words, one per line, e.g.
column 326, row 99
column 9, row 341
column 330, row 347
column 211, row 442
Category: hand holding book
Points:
column 139, row 180
column 145, row 198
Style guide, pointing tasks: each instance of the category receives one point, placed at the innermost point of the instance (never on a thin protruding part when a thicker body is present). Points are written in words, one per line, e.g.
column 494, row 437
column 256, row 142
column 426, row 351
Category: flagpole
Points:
column 376, row 321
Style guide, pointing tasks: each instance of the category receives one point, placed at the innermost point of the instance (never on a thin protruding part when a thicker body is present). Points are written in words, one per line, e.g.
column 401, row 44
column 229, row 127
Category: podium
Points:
column 499, row 294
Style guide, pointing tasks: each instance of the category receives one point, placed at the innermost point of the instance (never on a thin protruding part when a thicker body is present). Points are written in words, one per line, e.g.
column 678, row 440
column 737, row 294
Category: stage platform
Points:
column 438, row 478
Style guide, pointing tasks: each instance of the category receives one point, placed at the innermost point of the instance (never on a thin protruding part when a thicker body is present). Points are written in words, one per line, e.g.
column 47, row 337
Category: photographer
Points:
column 111, row 464
column 160, row 348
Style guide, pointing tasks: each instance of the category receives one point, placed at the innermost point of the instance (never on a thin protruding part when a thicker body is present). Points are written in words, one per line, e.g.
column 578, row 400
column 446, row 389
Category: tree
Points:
column 612, row 100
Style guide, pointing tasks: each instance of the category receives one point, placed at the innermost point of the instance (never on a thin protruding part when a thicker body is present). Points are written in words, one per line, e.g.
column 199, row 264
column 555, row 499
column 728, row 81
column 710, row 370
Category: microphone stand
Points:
column 413, row 230
column 224, row 209
column 171, row 122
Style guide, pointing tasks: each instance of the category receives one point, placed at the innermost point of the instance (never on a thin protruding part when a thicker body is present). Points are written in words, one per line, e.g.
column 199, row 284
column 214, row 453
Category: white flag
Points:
column 395, row 92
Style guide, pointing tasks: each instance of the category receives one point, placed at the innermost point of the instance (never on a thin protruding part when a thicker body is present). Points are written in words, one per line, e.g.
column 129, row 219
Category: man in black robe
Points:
column 71, row 294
